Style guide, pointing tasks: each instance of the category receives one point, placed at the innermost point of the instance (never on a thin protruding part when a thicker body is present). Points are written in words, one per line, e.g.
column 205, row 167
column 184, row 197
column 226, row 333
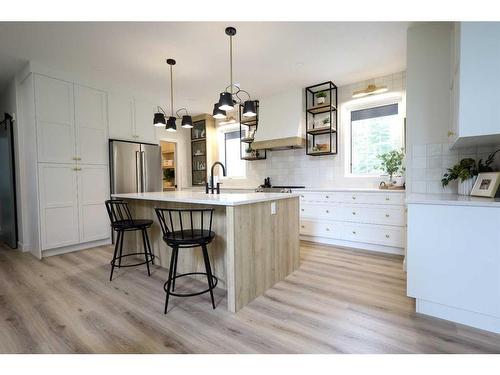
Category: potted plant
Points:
column 321, row 97
column 466, row 172
column 326, row 121
column 248, row 149
column 392, row 163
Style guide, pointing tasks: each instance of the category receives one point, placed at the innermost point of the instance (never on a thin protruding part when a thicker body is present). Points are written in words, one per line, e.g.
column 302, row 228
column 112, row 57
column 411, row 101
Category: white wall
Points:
column 294, row 167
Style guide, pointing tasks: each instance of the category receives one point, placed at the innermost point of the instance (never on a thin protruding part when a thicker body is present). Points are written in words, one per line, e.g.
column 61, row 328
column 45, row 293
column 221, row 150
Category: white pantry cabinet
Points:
column 65, row 136
column 55, row 120
column 131, row 119
column 93, row 181
column 58, row 197
column 91, row 126
column 372, row 220
column 475, row 58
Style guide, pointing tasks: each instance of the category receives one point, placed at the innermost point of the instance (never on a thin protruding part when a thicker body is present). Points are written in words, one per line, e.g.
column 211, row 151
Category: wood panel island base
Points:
column 256, row 244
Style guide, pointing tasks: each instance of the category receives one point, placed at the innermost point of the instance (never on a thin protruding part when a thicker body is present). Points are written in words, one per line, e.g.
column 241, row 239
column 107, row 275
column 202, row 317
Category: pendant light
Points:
column 229, row 97
column 170, row 124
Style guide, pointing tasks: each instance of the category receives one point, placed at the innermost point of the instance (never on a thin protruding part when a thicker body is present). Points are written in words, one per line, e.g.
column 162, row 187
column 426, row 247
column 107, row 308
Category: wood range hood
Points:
column 279, row 144
column 281, row 122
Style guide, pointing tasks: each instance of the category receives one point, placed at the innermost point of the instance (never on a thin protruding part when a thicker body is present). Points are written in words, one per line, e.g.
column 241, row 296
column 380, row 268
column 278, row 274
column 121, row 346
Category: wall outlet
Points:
column 273, row 208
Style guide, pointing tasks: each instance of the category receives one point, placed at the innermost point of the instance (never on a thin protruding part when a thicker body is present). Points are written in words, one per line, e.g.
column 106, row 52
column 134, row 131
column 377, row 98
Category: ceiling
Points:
column 268, row 56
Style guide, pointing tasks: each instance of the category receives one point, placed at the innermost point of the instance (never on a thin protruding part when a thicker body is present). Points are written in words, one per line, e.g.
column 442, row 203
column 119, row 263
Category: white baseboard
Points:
column 77, row 247
column 354, row 245
column 469, row 318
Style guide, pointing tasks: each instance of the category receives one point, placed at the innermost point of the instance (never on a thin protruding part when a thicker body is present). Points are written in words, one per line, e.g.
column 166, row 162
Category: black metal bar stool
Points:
column 179, row 234
column 121, row 222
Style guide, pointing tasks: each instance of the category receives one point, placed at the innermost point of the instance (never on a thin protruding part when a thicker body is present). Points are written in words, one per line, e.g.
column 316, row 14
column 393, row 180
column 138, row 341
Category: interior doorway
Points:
column 169, row 165
column 8, row 212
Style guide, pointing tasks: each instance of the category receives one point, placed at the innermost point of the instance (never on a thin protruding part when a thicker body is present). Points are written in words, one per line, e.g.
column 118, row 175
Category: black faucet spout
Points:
column 211, row 187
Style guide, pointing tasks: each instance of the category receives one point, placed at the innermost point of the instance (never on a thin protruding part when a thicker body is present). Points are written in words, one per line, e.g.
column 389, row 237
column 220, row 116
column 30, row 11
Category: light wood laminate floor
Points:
column 339, row 301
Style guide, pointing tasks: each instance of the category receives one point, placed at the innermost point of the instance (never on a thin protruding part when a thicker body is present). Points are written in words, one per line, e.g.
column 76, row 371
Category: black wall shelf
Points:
column 321, row 119
column 199, row 161
column 248, row 128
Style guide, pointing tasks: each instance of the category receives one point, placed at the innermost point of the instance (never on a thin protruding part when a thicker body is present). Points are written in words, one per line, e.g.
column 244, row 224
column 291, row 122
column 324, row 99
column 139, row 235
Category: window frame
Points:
column 366, row 103
column 221, row 139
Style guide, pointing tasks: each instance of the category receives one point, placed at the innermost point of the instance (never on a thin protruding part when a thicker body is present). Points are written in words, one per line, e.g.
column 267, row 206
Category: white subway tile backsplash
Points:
column 434, row 174
column 419, row 162
column 419, row 150
column 419, row 187
column 434, row 187
column 434, row 149
column 434, row 162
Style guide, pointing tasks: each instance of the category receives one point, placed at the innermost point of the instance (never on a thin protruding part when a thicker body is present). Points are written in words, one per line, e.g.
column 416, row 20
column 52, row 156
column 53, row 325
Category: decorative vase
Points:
column 465, row 187
column 321, row 100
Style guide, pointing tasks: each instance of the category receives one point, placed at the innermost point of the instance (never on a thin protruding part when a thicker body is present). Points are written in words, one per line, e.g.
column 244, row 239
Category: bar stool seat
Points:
column 132, row 224
column 179, row 233
column 187, row 238
column 121, row 222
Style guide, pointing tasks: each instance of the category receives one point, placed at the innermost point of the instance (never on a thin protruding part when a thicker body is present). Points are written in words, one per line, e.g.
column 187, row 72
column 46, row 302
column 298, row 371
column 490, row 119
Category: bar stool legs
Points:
column 208, row 270
column 170, row 280
column 117, row 245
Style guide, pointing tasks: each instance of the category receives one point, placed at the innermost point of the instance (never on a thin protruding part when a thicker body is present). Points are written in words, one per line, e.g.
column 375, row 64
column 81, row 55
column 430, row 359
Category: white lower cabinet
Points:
column 72, row 209
column 58, row 205
column 357, row 219
column 92, row 192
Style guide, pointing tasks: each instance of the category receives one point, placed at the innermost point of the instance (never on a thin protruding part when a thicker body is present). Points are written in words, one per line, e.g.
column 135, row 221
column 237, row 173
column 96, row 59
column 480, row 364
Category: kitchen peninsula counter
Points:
column 256, row 243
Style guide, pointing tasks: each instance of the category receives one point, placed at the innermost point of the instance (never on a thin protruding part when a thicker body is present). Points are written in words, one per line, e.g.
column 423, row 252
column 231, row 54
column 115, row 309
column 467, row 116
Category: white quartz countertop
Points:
column 223, row 199
column 452, row 200
column 310, row 190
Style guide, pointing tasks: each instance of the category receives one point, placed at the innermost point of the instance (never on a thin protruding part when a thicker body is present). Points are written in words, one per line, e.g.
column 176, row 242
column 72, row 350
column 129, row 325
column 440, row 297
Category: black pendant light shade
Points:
column 159, row 119
column 171, row 126
column 187, row 122
column 218, row 113
column 249, row 109
column 226, row 101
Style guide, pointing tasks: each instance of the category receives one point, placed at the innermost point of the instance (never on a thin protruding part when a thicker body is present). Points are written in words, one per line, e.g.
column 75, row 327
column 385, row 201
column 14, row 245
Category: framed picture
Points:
column 486, row 185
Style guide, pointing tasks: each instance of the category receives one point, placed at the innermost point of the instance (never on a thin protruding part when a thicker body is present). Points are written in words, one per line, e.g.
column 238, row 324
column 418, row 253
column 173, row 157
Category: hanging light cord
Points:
column 171, row 92
column 231, row 63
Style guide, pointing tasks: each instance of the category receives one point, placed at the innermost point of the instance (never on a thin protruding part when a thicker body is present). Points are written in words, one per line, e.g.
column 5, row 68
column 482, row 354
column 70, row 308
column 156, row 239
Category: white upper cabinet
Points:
column 120, row 116
column 55, row 120
column 475, row 81
column 143, row 121
column 91, row 126
column 130, row 119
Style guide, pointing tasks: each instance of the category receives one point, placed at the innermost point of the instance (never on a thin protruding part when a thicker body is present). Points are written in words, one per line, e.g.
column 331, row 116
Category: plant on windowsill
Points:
column 466, row 172
column 392, row 164
column 321, row 97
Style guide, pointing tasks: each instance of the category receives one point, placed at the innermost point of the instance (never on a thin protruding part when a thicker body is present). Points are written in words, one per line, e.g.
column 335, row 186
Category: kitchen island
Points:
column 256, row 243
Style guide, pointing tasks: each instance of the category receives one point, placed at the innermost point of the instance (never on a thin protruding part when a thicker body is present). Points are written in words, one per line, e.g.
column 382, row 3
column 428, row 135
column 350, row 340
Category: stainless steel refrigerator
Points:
column 135, row 167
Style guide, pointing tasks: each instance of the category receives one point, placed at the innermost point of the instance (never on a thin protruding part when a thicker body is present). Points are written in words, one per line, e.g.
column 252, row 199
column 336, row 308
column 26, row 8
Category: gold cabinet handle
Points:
column 302, row 226
column 450, row 133
column 77, row 169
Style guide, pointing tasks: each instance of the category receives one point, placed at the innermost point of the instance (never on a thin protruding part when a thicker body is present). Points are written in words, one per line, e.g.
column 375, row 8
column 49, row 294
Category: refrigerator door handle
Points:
column 144, row 172
column 138, row 183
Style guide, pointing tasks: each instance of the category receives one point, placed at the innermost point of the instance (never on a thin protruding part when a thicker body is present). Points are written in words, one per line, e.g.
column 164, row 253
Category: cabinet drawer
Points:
column 320, row 211
column 386, row 215
column 374, row 198
column 316, row 197
column 321, row 229
column 375, row 234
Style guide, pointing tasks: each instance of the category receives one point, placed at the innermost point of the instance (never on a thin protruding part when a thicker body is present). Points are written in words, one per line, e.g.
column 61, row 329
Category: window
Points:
column 229, row 153
column 374, row 131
